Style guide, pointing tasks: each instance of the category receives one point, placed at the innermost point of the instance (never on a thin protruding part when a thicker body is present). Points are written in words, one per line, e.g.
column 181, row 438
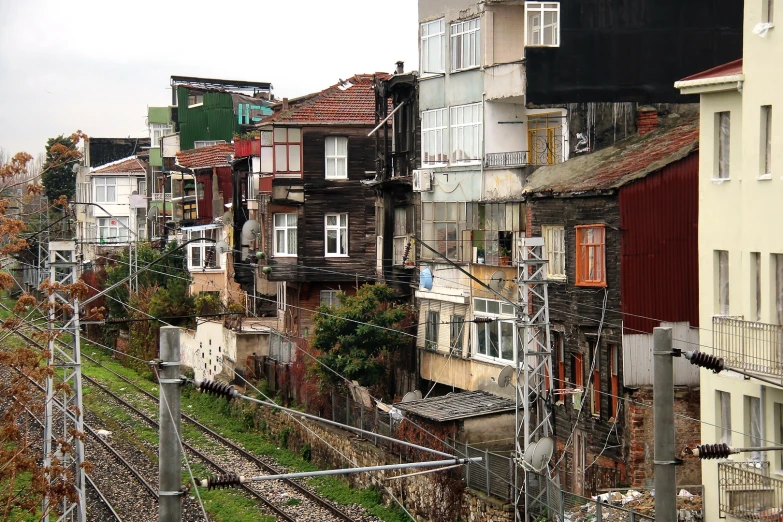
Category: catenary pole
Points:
column 663, row 414
column 169, row 503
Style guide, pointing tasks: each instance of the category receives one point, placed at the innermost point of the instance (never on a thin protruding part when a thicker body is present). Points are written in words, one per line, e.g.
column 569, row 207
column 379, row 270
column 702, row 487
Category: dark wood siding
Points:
column 659, row 219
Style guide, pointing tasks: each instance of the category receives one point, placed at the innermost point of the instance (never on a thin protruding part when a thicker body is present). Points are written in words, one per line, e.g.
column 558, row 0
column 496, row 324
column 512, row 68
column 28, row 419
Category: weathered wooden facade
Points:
column 611, row 220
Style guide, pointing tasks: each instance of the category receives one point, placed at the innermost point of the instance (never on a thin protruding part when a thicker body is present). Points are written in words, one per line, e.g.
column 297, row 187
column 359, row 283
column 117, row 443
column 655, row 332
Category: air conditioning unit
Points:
column 422, row 180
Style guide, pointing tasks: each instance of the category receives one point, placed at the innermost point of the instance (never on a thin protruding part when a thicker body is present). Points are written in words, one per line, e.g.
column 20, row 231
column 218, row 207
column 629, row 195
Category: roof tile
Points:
column 727, row 69
column 219, row 155
column 131, row 164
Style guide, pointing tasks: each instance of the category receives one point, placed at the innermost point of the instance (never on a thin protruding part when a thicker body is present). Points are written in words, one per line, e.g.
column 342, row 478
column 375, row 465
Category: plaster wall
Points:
column 462, row 373
column 462, row 185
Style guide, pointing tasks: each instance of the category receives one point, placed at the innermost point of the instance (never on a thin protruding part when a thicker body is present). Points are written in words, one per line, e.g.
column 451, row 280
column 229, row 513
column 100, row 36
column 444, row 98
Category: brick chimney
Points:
column 646, row 119
column 285, row 104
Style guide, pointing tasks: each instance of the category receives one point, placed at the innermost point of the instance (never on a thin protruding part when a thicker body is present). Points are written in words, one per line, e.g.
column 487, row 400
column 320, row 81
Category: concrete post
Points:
column 663, row 412
column 169, row 504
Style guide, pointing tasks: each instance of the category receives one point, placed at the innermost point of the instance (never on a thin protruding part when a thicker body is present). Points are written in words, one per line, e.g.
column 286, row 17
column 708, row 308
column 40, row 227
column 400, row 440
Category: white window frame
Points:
column 722, row 282
column 281, row 296
column 722, row 145
column 202, row 249
column 115, row 233
column 105, row 189
column 435, row 137
column 341, row 230
column 330, row 298
column 142, row 187
column 754, row 430
column 401, row 238
column 338, row 162
column 465, row 44
column 466, row 136
column 85, row 192
column 288, row 227
column 434, row 33
column 765, row 162
column 534, row 33
column 504, row 318
column 723, row 407
column 157, row 131
column 554, row 250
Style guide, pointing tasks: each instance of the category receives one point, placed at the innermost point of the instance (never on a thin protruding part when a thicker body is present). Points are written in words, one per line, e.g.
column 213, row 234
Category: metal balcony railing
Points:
column 506, row 159
column 159, row 196
column 543, row 151
column 747, row 345
column 747, row 492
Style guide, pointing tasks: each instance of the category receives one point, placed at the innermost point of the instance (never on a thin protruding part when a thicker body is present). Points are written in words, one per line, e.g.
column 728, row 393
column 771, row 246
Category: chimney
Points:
column 646, row 119
column 285, row 104
column 400, row 67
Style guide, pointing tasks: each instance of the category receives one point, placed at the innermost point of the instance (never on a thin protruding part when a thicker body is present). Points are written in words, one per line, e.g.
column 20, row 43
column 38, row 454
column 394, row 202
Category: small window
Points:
column 577, row 371
column 723, row 134
column 203, row 255
column 285, row 234
column 157, row 131
column 595, row 396
column 722, row 282
column 336, row 235
column 465, row 44
column 543, row 23
column 723, row 404
column 434, row 137
column 288, row 150
column 590, row 256
column 105, row 189
column 400, row 235
column 336, row 157
column 766, row 140
column 456, row 328
column 755, row 291
column 777, row 259
column 330, row 298
column 614, row 388
column 768, row 11
column 778, row 433
column 113, row 230
column 200, row 144
column 558, row 348
column 281, row 296
column 753, row 426
column 195, row 98
column 554, row 250
column 433, row 47
column 431, row 330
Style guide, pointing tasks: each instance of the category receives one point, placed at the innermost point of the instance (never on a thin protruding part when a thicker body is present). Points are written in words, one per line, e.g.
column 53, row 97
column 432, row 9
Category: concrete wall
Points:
column 213, row 350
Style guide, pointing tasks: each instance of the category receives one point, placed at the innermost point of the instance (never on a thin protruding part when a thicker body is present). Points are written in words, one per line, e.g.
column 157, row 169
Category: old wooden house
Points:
column 620, row 230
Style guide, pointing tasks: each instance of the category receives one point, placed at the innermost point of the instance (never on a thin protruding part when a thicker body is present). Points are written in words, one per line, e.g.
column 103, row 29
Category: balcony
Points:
column 747, row 345
column 160, row 196
column 747, row 492
column 543, row 151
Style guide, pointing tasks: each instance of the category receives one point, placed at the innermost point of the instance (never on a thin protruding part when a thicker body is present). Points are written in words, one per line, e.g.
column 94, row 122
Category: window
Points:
column 442, row 225
column 778, row 434
column 554, row 250
column 558, row 348
column 723, row 405
column 768, row 11
column 285, row 234
column 336, row 235
column 595, row 396
column 84, row 192
column 142, row 188
column 496, row 340
column 434, row 137
column 465, row 45
column 201, row 190
column 336, row 157
column 545, row 140
column 766, row 140
column 590, row 262
column 400, row 235
column 433, row 47
column 195, row 98
column 281, row 296
column 105, row 189
column 456, row 329
column 753, row 425
column 330, row 298
column 157, row 131
column 466, row 133
column 614, row 388
column 206, row 143
column 203, row 255
column 431, row 330
column 113, row 230
column 543, row 23
column 778, row 260
column 722, row 282
column 492, row 227
column 288, row 150
column 577, row 371
column 723, row 133
column 755, row 291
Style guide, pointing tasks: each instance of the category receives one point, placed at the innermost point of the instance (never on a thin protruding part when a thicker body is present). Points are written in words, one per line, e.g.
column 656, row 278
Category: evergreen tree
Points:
column 59, row 178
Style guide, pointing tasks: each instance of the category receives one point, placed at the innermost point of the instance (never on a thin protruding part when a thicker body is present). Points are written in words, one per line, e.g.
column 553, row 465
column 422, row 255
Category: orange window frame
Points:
column 614, row 361
column 560, row 351
column 596, row 377
column 590, row 254
column 578, row 362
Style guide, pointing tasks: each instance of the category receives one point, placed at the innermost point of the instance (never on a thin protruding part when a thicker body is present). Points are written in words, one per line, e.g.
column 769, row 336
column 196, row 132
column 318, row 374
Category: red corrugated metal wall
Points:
column 224, row 186
column 659, row 253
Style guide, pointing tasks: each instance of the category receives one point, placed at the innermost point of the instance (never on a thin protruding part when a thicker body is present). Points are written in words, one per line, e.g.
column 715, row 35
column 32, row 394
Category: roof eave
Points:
column 707, row 85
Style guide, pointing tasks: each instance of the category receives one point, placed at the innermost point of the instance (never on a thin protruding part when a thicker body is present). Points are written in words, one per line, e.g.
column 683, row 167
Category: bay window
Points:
column 543, row 23
column 288, row 150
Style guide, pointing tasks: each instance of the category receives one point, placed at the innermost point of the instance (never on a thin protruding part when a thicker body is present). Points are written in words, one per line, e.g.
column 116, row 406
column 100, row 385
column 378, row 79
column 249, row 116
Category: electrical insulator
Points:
column 217, row 388
column 221, row 481
column 713, row 451
column 483, row 320
column 406, row 253
column 705, row 360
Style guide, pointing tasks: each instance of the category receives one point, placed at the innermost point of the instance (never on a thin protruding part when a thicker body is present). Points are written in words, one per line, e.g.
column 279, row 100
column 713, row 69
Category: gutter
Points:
column 718, row 83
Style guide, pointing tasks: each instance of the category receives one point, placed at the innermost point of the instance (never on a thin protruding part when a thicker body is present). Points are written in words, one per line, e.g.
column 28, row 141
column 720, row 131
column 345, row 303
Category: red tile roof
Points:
column 131, row 164
column 727, row 69
column 625, row 161
column 219, row 155
column 355, row 104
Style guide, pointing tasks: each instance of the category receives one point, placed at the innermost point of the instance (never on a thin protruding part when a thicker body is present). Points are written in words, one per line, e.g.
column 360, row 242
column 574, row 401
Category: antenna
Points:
column 498, row 281
column 537, row 455
column 410, row 397
column 504, row 377
column 221, row 247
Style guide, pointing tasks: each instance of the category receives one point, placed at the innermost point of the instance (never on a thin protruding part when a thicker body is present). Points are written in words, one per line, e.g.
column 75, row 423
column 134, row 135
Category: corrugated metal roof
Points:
column 458, row 406
column 621, row 163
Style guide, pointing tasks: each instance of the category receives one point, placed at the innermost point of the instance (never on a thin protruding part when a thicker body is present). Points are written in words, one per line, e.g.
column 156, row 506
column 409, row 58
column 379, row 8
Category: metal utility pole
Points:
column 63, row 271
column 169, row 503
column 534, row 372
column 663, row 412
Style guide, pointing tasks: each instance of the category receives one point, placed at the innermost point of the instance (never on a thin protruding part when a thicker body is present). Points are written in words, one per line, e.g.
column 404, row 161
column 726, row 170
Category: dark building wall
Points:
column 632, row 50
column 106, row 150
column 659, row 219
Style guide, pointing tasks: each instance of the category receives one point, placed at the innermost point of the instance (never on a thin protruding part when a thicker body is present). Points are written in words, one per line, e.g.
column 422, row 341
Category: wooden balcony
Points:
column 747, row 345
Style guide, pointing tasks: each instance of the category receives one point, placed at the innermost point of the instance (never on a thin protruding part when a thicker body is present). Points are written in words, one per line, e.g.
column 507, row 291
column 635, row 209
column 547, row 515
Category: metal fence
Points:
column 747, row 492
column 748, row 345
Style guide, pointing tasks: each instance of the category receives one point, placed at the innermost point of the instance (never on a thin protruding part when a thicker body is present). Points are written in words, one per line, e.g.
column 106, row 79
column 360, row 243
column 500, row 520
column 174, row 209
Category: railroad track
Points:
column 290, row 506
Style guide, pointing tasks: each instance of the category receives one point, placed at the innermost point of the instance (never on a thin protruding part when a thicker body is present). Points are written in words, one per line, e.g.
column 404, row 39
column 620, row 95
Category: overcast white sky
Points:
column 95, row 65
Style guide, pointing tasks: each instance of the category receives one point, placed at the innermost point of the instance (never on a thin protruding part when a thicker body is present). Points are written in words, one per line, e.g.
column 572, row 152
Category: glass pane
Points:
column 195, row 256
column 291, row 219
column 331, row 241
column 440, row 211
column 293, row 158
column 494, row 348
column 480, row 305
column 281, row 160
column 330, row 146
column 292, row 241
column 493, row 307
column 281, row 136
column 331, row 220
column 342, row 146
column 427, row 212
column 330, row 163
column 452, row 240
column 343, row 220
column 341, row 168
column 294, row 135
column 481, row 338
column 280, row 242
column 343, row 242
column 507, row 340
column 266, row 138
column 280, row 220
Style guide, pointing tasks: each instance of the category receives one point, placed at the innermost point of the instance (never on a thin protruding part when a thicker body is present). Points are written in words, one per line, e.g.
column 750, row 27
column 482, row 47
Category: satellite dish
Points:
column 410, row 396
column 504, row 377
column 425, row 278
column 418, row 394
column 221, row 247
column 537, row 455
column 498, row 281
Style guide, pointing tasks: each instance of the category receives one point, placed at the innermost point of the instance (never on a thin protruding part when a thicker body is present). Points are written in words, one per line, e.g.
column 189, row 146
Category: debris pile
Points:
column 615, row 507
